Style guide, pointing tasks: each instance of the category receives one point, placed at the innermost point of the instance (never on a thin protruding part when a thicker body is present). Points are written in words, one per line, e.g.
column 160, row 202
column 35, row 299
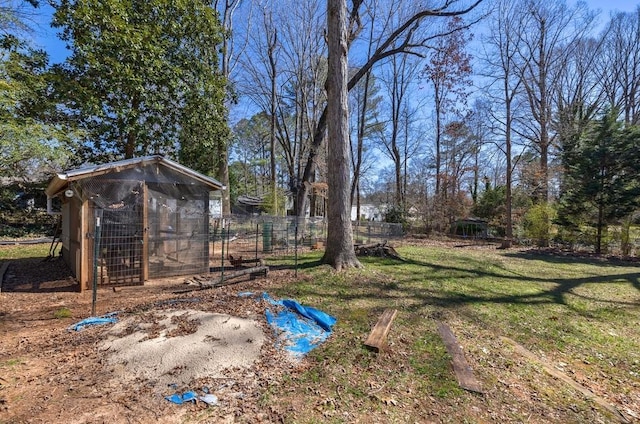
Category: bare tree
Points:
column 284, row 74
column 395, row 141
column 619, row 66
column 364, row 104
column 579, row 93
column 339, row 252
column 448, row 70
column 404, row 38
column 17, row 17
column 500, row 56
column 545, row 38
column 227, row 10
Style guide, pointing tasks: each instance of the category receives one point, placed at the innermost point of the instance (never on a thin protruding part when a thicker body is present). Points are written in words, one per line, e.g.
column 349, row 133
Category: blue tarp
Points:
column 105, row 319
column 302, row 328
column 180, row 399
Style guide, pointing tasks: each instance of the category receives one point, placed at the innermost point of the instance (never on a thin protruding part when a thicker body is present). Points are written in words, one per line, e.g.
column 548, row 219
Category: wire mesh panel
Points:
column 251, row 237
column 178, row 233
column 120, row 251
column 119, row 235
column 375, row 232
column 155, row 223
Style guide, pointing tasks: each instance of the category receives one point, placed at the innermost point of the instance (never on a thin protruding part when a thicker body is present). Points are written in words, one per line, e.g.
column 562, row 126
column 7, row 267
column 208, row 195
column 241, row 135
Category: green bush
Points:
column 397, row 215
column 537, row 223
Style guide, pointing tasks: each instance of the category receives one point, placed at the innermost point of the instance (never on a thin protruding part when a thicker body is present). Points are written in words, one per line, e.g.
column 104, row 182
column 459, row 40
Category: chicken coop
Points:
column 126, row 222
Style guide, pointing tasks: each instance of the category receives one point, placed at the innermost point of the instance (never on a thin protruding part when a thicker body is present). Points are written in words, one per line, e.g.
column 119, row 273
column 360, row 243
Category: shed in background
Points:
column 129, row 221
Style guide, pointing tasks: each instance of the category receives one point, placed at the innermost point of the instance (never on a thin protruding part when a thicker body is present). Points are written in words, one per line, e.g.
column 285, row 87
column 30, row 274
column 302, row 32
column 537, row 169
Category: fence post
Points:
column 296, row 248
column 222, row 253
column 96, row 258
column 267, row 233
column 257, row 235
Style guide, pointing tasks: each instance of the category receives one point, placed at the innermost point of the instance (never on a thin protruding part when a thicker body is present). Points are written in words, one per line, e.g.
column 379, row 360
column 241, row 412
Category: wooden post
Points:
column 85, row 256
column 145, row 233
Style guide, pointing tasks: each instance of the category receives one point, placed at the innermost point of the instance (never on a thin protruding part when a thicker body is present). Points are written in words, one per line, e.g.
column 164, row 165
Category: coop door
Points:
column 120, row 260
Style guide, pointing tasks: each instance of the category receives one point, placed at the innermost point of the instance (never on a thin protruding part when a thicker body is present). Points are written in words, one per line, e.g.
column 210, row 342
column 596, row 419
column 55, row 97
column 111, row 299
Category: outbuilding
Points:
column 129, row 221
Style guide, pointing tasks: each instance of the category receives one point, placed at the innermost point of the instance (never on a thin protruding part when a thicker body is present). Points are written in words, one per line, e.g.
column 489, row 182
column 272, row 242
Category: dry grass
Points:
column 577, row 315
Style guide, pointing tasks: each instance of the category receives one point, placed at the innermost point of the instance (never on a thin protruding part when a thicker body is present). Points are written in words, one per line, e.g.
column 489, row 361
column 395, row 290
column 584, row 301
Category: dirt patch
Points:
column 219, row 342
column 163, row 343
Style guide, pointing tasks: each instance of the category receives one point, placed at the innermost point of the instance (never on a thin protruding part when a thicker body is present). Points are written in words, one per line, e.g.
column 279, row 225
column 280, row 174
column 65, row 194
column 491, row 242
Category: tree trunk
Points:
column 508, row 194
column 339, row 251
column 223, row 177
column 272, row 122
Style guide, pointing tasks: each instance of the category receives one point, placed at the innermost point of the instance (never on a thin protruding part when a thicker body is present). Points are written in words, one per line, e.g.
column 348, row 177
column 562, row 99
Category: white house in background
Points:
column 369, row 212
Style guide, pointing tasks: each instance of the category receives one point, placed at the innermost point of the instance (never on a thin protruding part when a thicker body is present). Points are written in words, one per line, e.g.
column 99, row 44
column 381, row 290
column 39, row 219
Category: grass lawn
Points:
column 578, row 316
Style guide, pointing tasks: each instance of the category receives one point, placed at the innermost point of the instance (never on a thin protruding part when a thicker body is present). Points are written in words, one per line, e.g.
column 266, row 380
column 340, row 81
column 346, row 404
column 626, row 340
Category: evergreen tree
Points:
column 601, row 184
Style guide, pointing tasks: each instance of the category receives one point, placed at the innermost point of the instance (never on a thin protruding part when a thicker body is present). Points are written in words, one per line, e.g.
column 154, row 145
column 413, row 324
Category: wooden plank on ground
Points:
column 463, row 371
column 568, row 380
column 377, row 339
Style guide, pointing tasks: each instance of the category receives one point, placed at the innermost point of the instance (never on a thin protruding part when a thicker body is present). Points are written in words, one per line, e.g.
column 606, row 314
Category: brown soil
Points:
column 51, row 374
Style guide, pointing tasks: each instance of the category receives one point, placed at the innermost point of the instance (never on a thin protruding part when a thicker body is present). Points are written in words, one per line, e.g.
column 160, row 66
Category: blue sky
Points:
column 46, row 36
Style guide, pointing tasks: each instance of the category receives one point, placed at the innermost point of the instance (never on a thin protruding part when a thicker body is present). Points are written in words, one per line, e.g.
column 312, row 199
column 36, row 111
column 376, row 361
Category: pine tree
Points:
column 601, row 184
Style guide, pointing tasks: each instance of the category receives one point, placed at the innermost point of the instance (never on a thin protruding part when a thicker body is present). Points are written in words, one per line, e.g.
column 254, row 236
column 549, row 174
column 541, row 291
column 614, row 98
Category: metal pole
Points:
column 96, row 251
column 296, row 248
column 215, row 234
column 228, row 236
column 222, row 265
column 257, row 234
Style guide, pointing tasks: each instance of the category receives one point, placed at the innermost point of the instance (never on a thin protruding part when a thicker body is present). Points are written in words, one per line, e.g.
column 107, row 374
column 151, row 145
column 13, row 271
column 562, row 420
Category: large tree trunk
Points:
column 339, row 251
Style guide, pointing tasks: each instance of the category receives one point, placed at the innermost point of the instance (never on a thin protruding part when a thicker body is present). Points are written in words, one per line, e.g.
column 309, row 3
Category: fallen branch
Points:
column 239, row 261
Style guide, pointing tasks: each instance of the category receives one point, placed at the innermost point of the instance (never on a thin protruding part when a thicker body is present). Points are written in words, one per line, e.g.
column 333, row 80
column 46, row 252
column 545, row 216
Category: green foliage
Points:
column 143, row 78
column 275, row 202
column 32, row 143
column 491, row 203
column 250, row 155
column 22, row 211
column 396, row 214
column 626, row 243
column 537, row 223
column 601, row 184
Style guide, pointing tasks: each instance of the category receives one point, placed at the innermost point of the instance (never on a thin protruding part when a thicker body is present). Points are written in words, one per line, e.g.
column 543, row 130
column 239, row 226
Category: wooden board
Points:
column 377, row 339
column 463, row 371
column 568, row 380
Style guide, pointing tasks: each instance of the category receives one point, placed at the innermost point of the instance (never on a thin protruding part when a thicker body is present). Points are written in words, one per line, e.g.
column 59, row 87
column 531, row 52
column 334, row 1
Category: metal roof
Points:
column 62, row 180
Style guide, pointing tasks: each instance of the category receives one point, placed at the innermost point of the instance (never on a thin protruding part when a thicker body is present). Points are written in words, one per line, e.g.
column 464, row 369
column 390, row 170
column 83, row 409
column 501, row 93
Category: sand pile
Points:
column 167, row 347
